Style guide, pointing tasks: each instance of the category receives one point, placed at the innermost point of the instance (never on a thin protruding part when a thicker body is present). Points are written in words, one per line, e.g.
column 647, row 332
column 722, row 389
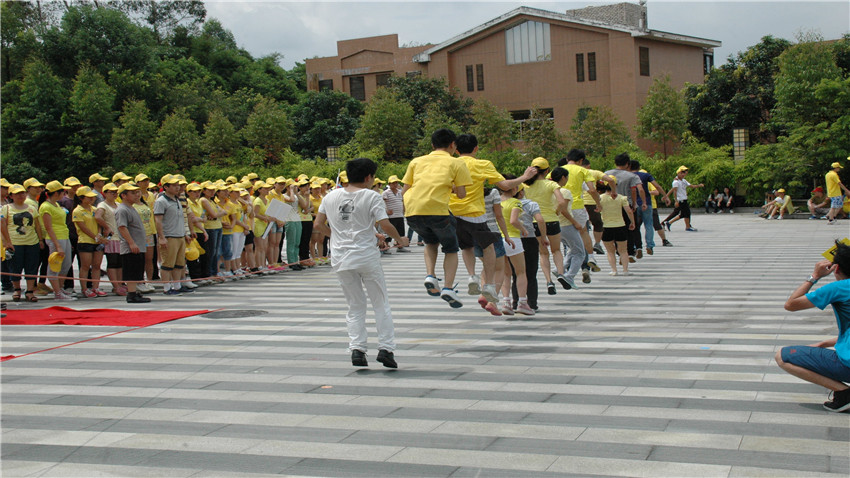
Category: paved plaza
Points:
column 668, row 372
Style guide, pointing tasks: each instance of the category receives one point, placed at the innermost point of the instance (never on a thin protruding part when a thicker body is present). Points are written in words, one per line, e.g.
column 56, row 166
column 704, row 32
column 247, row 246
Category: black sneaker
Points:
column 585, row 276
column 840, row 401
column 667, row 243
column 550, row 287
column 358, row 358
column 136, row 298
column 387, row 358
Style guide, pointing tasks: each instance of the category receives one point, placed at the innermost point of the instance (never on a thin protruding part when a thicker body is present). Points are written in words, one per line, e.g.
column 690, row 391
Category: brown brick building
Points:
column 558, row 61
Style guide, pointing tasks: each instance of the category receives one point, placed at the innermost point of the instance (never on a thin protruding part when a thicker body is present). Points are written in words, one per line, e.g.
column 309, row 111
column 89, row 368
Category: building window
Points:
column 382, row 79
column 708, row 62
column 528, row 42
column 470, row 81
column 413, row 74
column 357, row 87
column 326, row 85
column 479, row 72
column 644, row 61
column 579, row 67
column 591, row 66
column 521, row 120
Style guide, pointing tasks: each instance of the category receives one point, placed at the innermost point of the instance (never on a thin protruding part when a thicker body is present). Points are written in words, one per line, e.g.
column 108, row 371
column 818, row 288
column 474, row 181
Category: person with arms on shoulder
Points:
column 834, row 187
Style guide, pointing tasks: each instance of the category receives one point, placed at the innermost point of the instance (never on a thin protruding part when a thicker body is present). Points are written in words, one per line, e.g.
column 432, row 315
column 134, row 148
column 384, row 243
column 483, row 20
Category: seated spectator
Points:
column 768, row 203
column 818, row 204
column 782, row 205
column 728, row 202
column 711, row 201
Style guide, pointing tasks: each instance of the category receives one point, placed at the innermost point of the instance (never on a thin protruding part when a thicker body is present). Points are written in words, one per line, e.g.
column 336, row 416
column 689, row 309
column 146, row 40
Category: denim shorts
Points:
column 226, row 250
column 498, row 246
column 821, row 361
column 436, row 230
column 275, row 229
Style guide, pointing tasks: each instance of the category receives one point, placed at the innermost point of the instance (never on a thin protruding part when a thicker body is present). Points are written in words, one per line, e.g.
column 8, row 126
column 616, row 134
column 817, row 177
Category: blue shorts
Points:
column 498, row 246
column 824, row 362
column 436, row 230
column 226, row 250
column 836, row 202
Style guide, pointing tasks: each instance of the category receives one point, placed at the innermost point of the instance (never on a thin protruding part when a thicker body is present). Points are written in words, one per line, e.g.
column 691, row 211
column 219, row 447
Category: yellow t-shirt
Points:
column 316, row 201
column 612, row 210
column 227, row 207
column 208, row 222
column 235, row 211
column 57, row 219
column 259, row 224
column 592, row 175
column 578, row 176
column 86, row 217
column 481, row 171
column 542, row 192
column 147, row 217
column 832, row 187
column 198, row 211
column 430, row 178
column 34, row 204
column 507, row 209
column 21, row 224
column 305, row 216
column 654, row 203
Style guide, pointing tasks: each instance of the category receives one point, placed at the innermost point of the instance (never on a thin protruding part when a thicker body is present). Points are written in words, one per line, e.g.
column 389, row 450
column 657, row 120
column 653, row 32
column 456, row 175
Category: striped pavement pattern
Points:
column 668, row 372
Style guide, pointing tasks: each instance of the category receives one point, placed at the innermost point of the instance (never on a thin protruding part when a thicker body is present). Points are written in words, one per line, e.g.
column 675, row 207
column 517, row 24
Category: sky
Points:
column 307, row 29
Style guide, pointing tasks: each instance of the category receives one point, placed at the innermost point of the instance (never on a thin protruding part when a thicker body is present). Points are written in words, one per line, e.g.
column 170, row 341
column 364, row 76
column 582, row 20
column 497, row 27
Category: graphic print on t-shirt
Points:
column 346, row 209
column 22, row 220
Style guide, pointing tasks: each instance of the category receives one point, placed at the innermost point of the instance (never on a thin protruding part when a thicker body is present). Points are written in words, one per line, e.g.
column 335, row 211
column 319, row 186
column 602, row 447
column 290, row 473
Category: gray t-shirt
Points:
column 489, row 201
column 529, row 209
column 172, row 216
column 625, row 182
column 128, row 217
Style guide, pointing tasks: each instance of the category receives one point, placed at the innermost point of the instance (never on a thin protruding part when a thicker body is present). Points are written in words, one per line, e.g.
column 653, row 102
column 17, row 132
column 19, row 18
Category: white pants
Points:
column 237, row 246
column 353, row 282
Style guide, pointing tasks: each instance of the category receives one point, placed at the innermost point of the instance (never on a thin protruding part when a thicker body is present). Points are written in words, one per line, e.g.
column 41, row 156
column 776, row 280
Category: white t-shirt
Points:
column 681, row 186
column 352, row 217
column 394, row 201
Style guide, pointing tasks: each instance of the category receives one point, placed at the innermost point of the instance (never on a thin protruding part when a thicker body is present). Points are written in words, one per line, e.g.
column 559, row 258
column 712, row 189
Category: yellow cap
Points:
column 280, row 179
column 141, row 177
column 180, row 177
column 192, row 252
column 16, row 188
column 169, row 179
column 97, row 177
column 120, row 176
column 72, row 181
column 681, row 168
column 393, row 179
column 87, row 192
column 780, row 191
column 343, row 177
column 252, row 176
column 127, row 187
column 261, row 185
column 194, row 187
column 303, row 176
column 540, row 163
column 315, row 185
column 55, row 260
column 5, row 183
column 230, row 180
column 302, row 182
column 838, row 165
column 32, row 182
column 110, row 187
column 54, row 186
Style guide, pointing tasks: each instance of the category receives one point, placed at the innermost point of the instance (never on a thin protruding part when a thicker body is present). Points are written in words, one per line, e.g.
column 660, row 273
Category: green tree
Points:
column 164, row 17
column 220, row 137
column 663, row 117
column 18, row 40
column 493, row 125
column 596, row 129
column 388, row 124
column 32, row 124
column 270, row 129
column 131, row 141
column 298, row 75
column 177, row 140
column 325, row 118
column 434, row 119
column 541, row 136
column 423, row 92
column 89, row 120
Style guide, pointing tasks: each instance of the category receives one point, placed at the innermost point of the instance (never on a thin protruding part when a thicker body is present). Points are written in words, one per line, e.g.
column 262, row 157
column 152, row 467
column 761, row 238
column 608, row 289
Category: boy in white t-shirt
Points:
column 351, row 212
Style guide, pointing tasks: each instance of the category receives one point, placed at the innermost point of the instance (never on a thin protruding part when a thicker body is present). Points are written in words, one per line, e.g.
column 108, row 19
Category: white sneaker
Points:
column 432, row 286
column 473, row 285
column 190, row 284
column 505, row 307
column 451, row 296
column 524, row 309
column 490, row 293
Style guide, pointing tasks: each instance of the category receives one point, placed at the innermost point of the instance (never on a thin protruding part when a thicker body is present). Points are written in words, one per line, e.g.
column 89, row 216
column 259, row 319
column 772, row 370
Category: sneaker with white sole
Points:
column 585, row 276
column 840, row 401
column 505, row 307
column 432, row 286
column 451, row 296
column 523, row 308
column 490, row 293
column 593, row 266
column 473, row 286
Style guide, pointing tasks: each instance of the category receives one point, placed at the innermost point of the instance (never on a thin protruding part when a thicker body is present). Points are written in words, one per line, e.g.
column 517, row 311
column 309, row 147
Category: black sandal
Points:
column 30, row 296
column 16, row 297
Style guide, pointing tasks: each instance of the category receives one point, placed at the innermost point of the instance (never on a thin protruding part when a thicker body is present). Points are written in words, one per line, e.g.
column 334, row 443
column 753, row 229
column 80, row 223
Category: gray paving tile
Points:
column 572, row 448
column 428, row 440
column 265, row 432
column 784, row 461
column 342, row 468
column 219, row 462
column 603, row 421
column 489, row 395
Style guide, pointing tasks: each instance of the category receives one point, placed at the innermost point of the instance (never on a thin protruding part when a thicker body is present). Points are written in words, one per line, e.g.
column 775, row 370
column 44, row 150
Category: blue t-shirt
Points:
column 645, row 179
column 838, row 294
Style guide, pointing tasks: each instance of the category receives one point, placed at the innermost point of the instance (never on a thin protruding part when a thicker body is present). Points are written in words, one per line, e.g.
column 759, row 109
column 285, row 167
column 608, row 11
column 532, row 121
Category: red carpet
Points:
column 102, row 317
